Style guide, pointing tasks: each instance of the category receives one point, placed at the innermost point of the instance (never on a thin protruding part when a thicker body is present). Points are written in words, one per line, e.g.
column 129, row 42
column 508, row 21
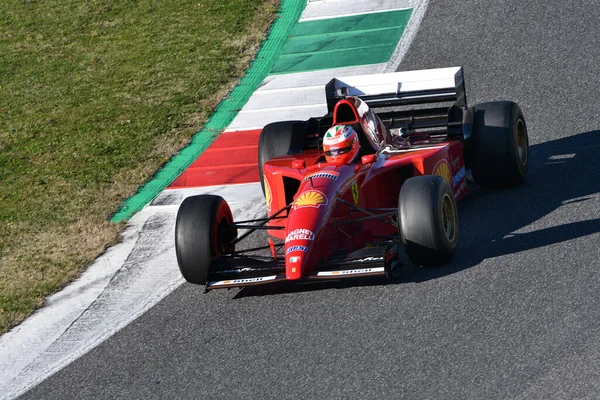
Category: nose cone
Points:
column 297, row 245
column 305, row 222
column 308, row 217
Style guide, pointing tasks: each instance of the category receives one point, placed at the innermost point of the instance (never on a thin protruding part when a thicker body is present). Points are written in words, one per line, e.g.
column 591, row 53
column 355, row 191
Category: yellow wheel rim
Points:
column 448, row 218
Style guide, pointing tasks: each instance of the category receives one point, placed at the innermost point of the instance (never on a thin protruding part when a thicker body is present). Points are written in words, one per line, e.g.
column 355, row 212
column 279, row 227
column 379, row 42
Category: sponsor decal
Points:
column 268, row 196
column 241, row 281
column 310, row 198
column 296, row 248
column 355, row 192
column 442, row 168
column 458, row 177
column 366, row 259
column 295, row 259
column 333, row 175
column 300, row 234
column 351, row 272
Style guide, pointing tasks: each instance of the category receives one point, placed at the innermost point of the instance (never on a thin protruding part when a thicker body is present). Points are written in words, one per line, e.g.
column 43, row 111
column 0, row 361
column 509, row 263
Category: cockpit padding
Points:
column 345, row 113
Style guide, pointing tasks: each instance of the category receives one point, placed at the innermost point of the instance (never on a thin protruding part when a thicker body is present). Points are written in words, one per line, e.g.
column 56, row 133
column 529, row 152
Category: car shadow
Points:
column 495, row 223
column 561, row 172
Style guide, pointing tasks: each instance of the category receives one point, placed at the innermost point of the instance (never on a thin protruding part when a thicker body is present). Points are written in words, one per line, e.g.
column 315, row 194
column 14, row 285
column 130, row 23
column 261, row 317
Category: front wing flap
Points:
column 246, row 271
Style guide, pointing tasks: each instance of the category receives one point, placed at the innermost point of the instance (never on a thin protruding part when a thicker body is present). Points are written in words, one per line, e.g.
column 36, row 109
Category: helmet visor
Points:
column 337, row 152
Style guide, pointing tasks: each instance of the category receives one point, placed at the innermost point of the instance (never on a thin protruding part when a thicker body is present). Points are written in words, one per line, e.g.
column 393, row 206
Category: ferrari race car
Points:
column 419, row 142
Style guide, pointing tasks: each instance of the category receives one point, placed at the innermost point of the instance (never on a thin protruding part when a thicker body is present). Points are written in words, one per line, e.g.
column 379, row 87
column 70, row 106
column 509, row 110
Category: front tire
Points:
column 275, row 141
column 428, row 220
column 203, row 233
column 499, row 148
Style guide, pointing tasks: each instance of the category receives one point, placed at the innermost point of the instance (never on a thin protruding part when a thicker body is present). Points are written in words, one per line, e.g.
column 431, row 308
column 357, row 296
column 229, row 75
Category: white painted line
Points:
column 299, row 89
column 350, row 14
column 256, row 119
column 314, row 78
column 284, row 108
column 297, row 96
column 123, row 283
column 316, row 10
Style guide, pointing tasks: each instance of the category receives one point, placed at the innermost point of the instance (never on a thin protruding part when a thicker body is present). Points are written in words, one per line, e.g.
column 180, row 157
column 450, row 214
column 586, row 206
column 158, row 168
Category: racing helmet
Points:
column 340, row 144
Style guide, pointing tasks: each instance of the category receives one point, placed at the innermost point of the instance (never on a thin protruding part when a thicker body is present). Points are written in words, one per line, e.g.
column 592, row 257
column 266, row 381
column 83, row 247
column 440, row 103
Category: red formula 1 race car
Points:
column 384, row 167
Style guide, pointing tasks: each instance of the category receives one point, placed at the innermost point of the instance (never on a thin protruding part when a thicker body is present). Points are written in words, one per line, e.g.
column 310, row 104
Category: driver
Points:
column 340, row 144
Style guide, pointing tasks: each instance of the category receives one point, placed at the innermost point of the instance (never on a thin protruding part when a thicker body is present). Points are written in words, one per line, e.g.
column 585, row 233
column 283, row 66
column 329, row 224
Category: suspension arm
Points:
column 371, row 215
column 260, row 224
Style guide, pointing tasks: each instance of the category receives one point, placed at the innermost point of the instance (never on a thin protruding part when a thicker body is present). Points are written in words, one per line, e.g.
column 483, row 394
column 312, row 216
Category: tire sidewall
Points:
column 275, row 141
column 198, row 237
column 493, row 149
column 421, row 220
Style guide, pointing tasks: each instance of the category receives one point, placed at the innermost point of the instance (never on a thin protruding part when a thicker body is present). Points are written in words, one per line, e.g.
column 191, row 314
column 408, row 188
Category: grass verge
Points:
column 94, row 97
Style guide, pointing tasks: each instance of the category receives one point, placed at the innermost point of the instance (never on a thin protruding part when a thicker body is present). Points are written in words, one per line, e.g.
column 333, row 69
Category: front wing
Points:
column 247, row 271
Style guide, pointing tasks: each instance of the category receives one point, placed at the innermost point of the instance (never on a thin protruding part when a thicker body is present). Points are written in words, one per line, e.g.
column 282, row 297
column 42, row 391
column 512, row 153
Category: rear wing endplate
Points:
column 401, row 88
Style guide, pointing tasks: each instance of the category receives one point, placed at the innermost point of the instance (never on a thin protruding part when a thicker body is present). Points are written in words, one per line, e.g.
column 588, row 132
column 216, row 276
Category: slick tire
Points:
column 276, row 139
column 499, row 148
column 428, row 220
column 203, row 232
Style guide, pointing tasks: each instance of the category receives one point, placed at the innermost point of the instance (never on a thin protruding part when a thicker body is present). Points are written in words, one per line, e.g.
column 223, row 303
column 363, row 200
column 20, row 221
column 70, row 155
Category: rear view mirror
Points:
column 299, row 164
column 368, row 159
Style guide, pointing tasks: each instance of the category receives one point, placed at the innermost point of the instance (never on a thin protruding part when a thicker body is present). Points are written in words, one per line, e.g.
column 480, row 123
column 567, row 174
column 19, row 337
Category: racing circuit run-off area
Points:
column 401, row 198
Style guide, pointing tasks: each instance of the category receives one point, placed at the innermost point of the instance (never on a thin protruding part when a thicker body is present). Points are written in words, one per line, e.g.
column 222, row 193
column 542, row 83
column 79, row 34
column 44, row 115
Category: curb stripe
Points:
column 360, row 39
column 288, row 15
column 232, row 158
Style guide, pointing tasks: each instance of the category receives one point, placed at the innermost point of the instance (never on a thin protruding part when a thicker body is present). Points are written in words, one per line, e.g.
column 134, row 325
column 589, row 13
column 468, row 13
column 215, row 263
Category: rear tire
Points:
column 499, row 148
column 275, row 141
column 203, row 233
column 428, row 220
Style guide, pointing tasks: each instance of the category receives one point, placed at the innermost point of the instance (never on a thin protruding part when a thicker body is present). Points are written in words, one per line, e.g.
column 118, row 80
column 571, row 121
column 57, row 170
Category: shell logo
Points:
column 310, row 198
column 442, row 168
column 268, row 196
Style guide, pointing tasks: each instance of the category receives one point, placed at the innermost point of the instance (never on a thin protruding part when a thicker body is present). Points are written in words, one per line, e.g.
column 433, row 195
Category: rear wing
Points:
column 401, row 88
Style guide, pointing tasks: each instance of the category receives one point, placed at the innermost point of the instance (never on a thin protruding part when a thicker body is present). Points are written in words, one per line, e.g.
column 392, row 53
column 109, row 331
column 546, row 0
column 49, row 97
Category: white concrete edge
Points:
column 121, row 285
column 419, row 9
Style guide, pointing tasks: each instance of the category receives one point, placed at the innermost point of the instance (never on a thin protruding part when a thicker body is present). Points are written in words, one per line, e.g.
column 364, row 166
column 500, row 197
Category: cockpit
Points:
column 371, row 131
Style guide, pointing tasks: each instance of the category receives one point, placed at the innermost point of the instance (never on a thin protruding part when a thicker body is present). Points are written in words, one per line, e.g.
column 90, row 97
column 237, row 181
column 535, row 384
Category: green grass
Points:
column 94, row 97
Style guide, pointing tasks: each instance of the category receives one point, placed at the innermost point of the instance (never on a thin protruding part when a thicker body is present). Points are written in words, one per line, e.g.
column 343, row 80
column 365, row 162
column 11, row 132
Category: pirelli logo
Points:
column 352, row 272
column 243, row 281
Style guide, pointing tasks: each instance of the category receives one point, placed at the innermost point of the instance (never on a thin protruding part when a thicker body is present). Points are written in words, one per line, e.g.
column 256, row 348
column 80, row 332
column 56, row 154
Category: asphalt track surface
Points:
column 515, row 315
